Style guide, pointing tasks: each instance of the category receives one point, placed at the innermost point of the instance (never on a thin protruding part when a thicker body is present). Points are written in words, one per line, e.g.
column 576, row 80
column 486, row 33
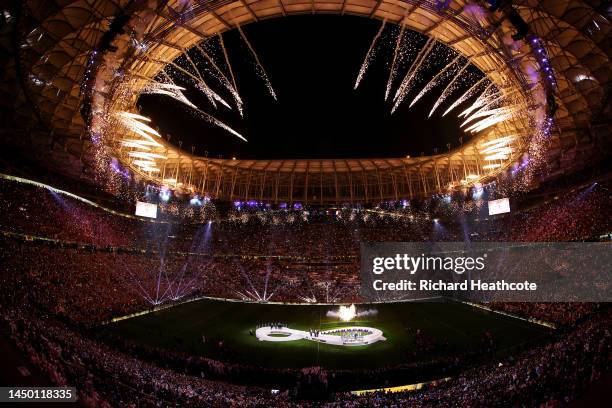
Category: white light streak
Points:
column 259, row 67
column 369, row 55
column 146, row 155
column 142, row 142
column 435, row 79
column 467, row 95
column 393, row 70
column 143, row 163
column 133, row 116
column 406, row 84
column 135, row 145
column 504, row 139
column 497, row 156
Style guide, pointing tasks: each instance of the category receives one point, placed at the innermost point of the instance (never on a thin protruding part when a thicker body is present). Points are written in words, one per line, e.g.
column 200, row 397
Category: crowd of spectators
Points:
column 560, row 314
column 87, row 265
column 320, row 234
column 88, row 286
column 115, row 265
column 550, row 375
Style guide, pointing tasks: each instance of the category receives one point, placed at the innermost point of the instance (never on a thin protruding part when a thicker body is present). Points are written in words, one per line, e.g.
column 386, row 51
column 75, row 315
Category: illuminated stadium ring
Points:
column 337, row 181
column 344, row 336
column 143, row 40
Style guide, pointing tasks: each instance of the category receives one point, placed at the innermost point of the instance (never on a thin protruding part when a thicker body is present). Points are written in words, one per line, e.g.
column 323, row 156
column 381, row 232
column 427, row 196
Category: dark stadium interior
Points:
column 151, row 257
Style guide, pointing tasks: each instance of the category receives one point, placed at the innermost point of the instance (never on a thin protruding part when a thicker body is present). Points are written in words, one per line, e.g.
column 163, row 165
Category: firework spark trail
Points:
column 171, row 89
column 222, row 78
column 393, row 71
column 406, row 84
column 174, row 91
column 449, row 88
column 260, row 68
column 484, row 112
column 485, row 109
column 220, row 124
column 369, row 55
column 210, row 94
column 414, row 68
column 203, row 86
column 229, row 65
column 501, row 116
column 488, row 93
column 201, row 83
column 132, row 122
column 178, row 95
column 468, row 94
column 434, row 81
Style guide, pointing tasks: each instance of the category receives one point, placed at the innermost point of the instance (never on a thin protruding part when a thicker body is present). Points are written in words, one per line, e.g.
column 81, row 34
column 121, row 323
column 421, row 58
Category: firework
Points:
column 434, row 81
column 406, row 83
column 394, row 62
column 467, row 95
column 201, row 84
column 220, row 76
column 369, row 55
column 229, row 67
column 168, row 89
column 449, row 88
column 259, row 67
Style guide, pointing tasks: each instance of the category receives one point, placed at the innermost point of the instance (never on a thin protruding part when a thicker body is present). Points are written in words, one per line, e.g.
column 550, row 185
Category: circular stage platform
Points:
column 345, row 336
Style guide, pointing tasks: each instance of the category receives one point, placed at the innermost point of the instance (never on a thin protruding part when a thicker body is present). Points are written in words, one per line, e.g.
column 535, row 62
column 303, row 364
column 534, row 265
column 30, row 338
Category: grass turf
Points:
column 459, row 326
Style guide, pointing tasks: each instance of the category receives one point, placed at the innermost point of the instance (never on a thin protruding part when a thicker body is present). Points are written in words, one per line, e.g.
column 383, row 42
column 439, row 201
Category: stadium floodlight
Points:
column 165, row 194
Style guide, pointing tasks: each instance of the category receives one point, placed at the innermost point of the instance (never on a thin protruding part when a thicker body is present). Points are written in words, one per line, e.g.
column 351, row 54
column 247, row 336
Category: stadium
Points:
column 295, row 203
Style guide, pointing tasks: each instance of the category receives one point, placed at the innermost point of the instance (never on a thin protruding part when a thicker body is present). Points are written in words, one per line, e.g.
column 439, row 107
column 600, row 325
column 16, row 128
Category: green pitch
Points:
column 447, row 327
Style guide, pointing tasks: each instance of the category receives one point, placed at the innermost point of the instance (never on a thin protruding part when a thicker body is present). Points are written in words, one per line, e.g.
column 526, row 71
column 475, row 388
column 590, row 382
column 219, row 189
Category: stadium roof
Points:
column 48, row 80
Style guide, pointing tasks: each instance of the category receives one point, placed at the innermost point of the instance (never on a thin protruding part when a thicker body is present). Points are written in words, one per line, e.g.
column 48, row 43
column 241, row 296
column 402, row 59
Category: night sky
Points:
column 312, row 62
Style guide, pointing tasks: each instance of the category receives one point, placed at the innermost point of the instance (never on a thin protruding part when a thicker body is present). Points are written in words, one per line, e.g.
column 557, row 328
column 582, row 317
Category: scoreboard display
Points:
column 146, row 209
column 500, row 206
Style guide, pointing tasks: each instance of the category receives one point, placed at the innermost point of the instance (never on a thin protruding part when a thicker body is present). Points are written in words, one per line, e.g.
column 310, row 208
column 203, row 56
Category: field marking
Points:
column 267, row 333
